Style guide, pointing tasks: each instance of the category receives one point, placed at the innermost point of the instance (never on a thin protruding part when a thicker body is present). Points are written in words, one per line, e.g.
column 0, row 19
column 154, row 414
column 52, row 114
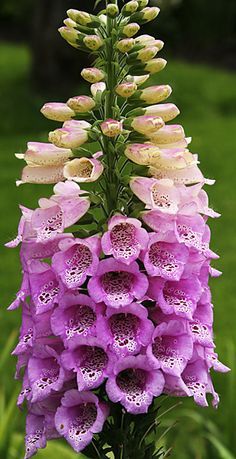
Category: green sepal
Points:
column 135, row 112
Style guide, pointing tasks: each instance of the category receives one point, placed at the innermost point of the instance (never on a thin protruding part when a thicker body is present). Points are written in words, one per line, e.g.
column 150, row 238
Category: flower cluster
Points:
column 119, row 309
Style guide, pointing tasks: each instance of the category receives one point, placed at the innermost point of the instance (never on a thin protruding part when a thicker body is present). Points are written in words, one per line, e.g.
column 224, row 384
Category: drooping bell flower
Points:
column 44, row 286
column 124, row 239
column 165, row 259
column 90, row 360
column 79, row 417
column 76, row 316
column 134, row 384
column 127, row 329
column 178, row 298
column 46, row 175
column 62, row 210
column 116, row 284
column 171, row 347
column 77, row 259
column 45, row 373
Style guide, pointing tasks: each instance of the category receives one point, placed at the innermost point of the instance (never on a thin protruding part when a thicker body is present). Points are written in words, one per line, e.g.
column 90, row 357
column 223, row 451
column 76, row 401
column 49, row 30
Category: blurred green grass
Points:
column 207, row 100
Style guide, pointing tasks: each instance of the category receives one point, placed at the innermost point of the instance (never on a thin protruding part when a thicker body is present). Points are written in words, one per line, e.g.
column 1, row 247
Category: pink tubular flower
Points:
column 45, row 373
column 45, row 154
column 90, row 360
column 41, row 175
column 81, row 104
column 157, row 194
column 76, row 316
column 83, row 170
column 165, row 259
column 57, row 111
column 171, row 347
column 44, row 287
column 178, row 298
column 62, row 210
column 134, row 384
column 79, row 417
column 111, row 128
column 116, row 284
column 126, row 330
column 77, row 259
column 124, row 239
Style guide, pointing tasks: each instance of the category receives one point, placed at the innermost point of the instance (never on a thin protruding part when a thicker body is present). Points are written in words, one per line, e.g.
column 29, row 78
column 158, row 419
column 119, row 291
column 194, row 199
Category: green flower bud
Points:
column 155, row 65
column 69, row 34
column 112, row 10
column 83, row 18
column 129, row 8
column 146, row 15
column 131, row 29
column 69, row 23
column 93, row 42
column 143, row 55
column 93, row 75
column 124, row 46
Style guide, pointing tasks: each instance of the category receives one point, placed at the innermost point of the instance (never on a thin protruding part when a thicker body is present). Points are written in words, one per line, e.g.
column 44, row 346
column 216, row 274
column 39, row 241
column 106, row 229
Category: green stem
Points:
column 111, row 178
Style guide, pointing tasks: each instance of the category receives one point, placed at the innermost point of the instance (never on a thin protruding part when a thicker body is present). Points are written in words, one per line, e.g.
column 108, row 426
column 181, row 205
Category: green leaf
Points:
column 223, row 452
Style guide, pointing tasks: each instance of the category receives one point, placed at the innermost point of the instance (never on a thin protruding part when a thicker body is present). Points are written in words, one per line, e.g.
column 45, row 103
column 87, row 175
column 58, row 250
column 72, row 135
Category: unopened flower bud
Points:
column 155, row 65
column 68, row 138
column 145, row 39
column 81, row 104
column 142, row 154
column 57, row 111
column 83, row 18
column 69, row 34
column 131, row 29
column 112, row 10
column 146, row 15
column 93, row 42
column 97, row 87
column 125, row 45
column 69, row 23
column 93, row 75
column 168, row 134
column 166, row 111
column 129, row 8
column 83, row 170
column 142, row 55
column 126, row 90
column 111, row 128
column 155, row 94
column 147, row 124
column 76, row 124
